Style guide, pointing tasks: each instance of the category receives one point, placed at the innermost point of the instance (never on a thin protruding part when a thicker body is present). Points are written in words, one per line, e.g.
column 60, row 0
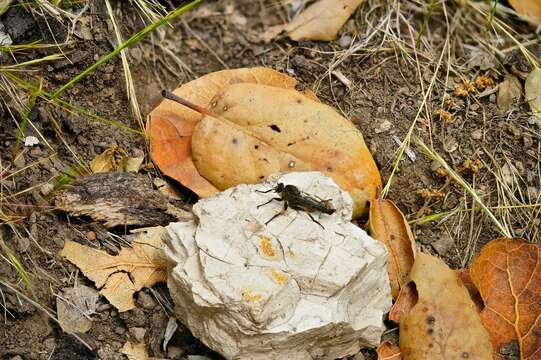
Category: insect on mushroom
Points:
column 297, row 200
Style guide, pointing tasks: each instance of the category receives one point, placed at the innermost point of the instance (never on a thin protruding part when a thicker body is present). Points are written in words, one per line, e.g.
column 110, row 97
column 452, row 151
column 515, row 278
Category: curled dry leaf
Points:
column 119, row 277
column 388, row 225
column 106, row 161
column 322, row 20
column 443, row 323
column 532, row 88
column 507, row 273
column 259, row 126
column 388, row 351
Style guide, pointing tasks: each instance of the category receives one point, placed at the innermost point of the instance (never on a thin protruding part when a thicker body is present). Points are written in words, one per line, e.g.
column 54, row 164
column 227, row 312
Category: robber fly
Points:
column 295, row 199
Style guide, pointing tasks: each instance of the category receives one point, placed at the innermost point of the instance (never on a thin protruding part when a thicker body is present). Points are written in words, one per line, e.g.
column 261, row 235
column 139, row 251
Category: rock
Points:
column 383, row 125
column 534, row 120
column 119, row 330
column 443, row 244
column 138, row 333
column 477, row 134
column 289, row 289
column 90, row 236
column 46, row 189
column 345, row 41
column 175, row 352
column 145, row 300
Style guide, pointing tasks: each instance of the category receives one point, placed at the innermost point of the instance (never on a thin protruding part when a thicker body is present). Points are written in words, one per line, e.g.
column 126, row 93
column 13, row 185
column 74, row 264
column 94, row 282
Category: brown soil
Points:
column 386, row 88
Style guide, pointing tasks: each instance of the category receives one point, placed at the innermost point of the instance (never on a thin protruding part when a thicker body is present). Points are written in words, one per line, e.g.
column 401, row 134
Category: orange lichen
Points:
column 279, row 277
column 248, row 294
column 266, row 246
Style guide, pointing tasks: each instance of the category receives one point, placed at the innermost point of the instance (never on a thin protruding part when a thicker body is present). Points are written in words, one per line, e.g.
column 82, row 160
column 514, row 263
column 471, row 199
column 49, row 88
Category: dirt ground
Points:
column 386, row 80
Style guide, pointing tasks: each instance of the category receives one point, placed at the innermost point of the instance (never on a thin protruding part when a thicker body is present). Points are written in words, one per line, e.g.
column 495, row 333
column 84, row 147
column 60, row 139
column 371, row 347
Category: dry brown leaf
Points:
column 74, row 308
column 388, row 225
column 444, row 323
column 532, row 88
column 104, row 162
column 529, row 9
column 407, row 298
column 388, row 351
column 509, row 92
column 119, row 277
column 507, row 273
column 137, row 351
column 260, row 126
column 322, row 20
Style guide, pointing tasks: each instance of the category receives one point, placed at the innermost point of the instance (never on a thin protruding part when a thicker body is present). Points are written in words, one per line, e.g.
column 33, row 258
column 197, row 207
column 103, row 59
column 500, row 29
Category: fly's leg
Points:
column 274, row 217
column 286, row 205
column 276, row 198
column 265, row 192
column 314, row 220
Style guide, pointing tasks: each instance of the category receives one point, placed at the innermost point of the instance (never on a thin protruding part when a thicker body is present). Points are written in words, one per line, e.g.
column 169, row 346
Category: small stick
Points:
column 170, row 96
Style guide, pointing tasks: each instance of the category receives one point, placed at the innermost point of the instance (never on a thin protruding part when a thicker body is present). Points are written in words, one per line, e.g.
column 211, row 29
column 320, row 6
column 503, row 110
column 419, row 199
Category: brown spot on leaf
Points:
column 275, row 127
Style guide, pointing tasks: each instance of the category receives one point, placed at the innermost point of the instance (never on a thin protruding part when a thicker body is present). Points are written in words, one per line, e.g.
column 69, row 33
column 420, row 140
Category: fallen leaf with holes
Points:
column 443, row 322
column 388, row 225
column 532, row 88
column 388, row 351
column 106, row 162
column 119, row 277
column 529, row 9
column 259, row 125
column 322, row 20
column 507, row 273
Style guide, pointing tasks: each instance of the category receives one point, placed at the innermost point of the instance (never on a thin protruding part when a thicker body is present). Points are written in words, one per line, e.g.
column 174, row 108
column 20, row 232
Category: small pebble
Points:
column 103, row 307
column 492, row 98
column 120, row 330
column 477, row 134
column 345, row 41
column 138, row 333
column 90, row 236
column 534, row 120
column 474, row 106
column 46, row 189
column 383, row 125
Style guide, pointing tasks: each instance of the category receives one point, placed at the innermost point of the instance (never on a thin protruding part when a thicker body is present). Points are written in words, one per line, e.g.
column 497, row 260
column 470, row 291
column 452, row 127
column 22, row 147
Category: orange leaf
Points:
column 170, row 126
column 388, row 225
column 257, row 125
column 322, row 20
column 443, row 323
column 407, row 298
column 507, row 273
column 388, row 351
column 530, row 9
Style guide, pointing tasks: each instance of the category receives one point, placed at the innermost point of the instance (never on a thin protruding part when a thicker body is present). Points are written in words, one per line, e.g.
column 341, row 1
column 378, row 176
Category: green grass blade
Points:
column 129, row 42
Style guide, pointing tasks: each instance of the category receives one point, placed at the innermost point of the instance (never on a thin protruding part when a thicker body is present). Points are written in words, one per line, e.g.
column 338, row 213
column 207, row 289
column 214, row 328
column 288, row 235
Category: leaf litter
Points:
column 119, row 277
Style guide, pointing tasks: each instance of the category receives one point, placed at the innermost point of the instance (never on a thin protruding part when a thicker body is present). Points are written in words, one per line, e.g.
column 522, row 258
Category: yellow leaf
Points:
column 137, row 351
column 119, row 277
column 130, row 164
column 443, row 322
column 388, row 225
column 256, row 125
column 529, row 9
column 104, row 162
column 322, row 20
column 532, row 88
